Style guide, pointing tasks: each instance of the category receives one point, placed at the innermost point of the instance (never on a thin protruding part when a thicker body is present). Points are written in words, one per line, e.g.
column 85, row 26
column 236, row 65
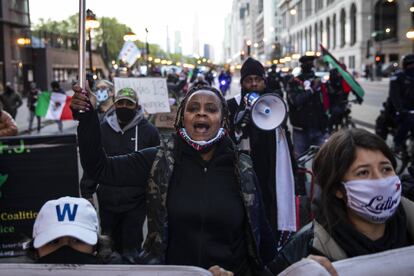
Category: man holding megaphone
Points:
column 257, row 124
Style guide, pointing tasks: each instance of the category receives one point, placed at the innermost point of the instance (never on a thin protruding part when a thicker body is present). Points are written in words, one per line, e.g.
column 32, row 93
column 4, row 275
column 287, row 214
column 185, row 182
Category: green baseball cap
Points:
column 127, row 93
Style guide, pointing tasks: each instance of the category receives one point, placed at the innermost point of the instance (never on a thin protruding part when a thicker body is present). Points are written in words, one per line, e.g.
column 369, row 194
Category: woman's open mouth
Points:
column 201, row 127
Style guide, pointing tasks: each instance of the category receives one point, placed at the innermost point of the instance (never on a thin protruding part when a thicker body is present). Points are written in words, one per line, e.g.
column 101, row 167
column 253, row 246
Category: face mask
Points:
column 68, row 255
column 202, row 146
column 374, row 200
column 124, row 114
column 102, row 95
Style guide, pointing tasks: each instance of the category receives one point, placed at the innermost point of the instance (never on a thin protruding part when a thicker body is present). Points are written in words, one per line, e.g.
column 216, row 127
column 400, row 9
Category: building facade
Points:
column 14, row 28
column 253, row 29
column 40, row 57
column 358, row 33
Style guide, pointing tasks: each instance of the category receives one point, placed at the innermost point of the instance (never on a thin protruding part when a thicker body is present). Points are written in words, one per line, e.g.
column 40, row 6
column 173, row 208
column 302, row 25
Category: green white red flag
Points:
column 54, row 106
column 356, row 88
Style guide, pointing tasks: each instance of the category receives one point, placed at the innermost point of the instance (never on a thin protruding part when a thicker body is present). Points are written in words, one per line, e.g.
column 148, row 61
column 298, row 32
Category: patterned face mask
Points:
column 375, row 200
column 202, row 146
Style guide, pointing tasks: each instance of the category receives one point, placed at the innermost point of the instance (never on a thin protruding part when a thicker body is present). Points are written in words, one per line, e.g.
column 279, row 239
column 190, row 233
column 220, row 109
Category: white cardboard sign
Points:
column 152, row 92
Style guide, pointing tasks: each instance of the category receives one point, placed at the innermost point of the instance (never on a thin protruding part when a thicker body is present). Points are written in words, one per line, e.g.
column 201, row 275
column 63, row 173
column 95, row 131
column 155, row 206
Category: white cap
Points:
column 66, row 216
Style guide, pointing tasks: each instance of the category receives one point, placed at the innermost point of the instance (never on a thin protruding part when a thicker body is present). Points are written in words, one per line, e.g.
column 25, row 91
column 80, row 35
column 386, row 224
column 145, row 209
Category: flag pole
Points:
column 82, row 43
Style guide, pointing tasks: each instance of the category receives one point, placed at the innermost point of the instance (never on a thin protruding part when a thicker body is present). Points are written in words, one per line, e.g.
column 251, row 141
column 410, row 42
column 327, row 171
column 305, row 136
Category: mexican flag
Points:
column 53, row 106
column 348, row 78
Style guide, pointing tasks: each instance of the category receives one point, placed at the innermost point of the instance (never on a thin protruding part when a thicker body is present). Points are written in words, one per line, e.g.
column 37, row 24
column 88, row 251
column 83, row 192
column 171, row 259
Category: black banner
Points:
column 33, row 170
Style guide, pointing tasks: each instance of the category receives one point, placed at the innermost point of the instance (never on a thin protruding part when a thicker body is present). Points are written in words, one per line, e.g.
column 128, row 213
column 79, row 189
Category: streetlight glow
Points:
column 248, row 42
column 292, row 12
column 410, row 34
column 255, row 45
column 130, row 36
column 23, row 41
column 387, row 30
column 412, row 9
column 91, row 22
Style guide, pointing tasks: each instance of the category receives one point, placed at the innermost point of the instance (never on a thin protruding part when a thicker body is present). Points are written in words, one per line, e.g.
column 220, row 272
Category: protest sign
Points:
column 152, row 92
column 33, row 170
column 166, row 120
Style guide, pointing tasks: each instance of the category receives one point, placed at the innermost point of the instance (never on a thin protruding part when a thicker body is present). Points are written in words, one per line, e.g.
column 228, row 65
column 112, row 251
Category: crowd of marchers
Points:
column 220, row 192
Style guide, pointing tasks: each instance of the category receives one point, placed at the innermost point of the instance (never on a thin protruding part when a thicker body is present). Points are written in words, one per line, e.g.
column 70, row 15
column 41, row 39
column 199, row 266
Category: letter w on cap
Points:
column 66, row 210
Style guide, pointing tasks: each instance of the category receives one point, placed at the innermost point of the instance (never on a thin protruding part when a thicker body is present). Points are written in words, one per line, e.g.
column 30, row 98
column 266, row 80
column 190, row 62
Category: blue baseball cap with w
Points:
column 66, row 216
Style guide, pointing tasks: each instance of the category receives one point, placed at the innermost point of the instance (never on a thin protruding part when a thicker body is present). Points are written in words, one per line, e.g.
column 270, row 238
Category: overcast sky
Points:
column 156, row 15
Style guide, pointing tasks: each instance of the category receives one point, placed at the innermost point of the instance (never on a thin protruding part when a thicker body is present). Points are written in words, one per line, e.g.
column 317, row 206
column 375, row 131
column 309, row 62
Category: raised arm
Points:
column 124, row 170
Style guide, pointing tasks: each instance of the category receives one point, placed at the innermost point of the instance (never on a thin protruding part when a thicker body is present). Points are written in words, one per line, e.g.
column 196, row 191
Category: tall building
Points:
column 16, row 40
column 177, row 42
column 168, row 42
column 354, row 31
column 207, row 51
column 196, row 38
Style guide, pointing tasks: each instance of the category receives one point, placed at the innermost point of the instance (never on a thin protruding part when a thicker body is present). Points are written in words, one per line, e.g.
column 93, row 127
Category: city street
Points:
column 364, row 115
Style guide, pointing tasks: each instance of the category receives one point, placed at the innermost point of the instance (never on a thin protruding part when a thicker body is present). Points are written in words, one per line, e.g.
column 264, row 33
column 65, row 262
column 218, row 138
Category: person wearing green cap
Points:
column 124, row 130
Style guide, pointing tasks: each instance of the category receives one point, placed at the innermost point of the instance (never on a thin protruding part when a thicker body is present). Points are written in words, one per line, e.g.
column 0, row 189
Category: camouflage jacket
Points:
column 260, row 242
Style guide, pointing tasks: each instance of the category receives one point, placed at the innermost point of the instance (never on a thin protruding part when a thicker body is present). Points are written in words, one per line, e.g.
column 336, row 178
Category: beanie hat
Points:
column 251, row 67
column 66, row 216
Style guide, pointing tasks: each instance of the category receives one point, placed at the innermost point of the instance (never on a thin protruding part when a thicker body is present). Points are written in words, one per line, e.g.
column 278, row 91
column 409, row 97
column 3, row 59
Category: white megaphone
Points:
column 267, row 111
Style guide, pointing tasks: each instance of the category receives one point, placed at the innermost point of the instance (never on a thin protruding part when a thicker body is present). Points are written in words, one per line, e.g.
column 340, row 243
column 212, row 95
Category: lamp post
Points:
column 90, row 23
column 130, row 36
column 249, row 45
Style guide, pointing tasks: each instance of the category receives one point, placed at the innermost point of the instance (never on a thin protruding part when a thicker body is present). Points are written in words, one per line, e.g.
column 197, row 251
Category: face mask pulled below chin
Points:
column 68, row 255
column 374, row 200
column 201, row 146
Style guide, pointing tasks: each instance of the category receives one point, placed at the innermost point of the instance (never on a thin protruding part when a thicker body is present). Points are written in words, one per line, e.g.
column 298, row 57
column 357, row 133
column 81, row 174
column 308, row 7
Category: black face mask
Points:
column 68, row 255
column 125, row 115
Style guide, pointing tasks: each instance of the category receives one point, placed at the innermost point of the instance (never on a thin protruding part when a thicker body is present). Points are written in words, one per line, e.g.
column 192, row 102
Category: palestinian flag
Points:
column 356, row 88
column 53, row 106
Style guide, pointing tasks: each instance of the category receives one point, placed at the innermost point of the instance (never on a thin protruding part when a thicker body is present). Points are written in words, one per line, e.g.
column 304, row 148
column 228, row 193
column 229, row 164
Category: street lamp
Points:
column 249, row 45
column 91, row 23
column 410, row 35
column 130, row 36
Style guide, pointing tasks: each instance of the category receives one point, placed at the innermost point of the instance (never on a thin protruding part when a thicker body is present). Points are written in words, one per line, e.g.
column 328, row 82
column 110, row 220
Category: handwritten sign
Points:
column 33, row 170
column 152, row 92
column 166, row 120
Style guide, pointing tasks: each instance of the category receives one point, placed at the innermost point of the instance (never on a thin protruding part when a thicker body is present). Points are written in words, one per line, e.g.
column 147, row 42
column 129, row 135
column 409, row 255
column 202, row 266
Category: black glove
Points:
column 242, row 119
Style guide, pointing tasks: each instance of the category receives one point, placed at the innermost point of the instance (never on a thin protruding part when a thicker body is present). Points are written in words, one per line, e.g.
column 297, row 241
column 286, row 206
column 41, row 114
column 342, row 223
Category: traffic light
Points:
column 379, row 59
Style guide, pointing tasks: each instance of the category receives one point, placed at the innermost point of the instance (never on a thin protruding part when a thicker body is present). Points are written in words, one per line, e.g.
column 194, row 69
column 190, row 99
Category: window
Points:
column 343, row 22
column 328, row 32
column 306, row 40
column 300, row 11
column 351, row 62
column 330, row 1
column 310, row 38
column 260, row 4
column 318, row 5
column 386, row 20
column 353, row 25
column 321, row 40
column 308, row 7
column 334, row 31
column 394, row 58
column 316, row 37
column 341, row 59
